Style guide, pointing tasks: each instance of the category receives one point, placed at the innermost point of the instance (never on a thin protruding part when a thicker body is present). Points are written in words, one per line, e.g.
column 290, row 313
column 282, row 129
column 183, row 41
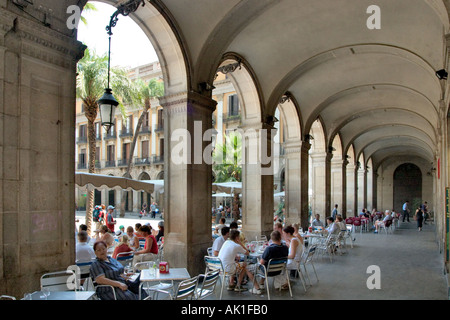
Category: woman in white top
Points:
column 295, row 248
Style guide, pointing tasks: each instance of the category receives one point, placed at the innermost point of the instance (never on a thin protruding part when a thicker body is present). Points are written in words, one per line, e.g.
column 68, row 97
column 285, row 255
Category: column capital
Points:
column 183, row 102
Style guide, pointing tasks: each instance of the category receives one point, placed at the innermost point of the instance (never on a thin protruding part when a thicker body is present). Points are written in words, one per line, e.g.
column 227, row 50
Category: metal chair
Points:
column 327, row 246
column 125, row 258
column 214, row 264
column 83, row 272
column 210, row 251
column 208, row 284
column 274, row 268
column 6, row 297
column 307, row 259
column 101, row 286
column 59, row 281
column 186, row 289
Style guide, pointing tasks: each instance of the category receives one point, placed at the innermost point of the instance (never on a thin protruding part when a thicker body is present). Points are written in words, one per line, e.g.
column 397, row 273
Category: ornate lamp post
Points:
column 107, row 103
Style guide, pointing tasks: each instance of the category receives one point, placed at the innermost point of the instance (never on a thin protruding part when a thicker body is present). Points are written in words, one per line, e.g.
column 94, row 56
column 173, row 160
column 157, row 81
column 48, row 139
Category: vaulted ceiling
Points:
column 376, row 88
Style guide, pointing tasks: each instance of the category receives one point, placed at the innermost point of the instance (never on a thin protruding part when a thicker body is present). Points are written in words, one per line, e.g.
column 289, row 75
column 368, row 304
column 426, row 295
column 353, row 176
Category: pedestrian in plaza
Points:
column 110, row 222
column 406, row 211
column 424, row 208
column 153, row 209
column 418, row 216
column 335, row 211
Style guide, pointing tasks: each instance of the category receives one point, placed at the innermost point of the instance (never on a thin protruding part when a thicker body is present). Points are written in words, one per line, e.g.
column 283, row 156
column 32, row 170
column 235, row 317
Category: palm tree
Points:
column 143, row 93
column 91, row 82
column 228, row 164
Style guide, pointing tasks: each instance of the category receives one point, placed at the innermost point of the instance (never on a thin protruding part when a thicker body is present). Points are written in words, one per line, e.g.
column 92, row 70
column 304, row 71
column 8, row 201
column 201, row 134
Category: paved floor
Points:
column 411, row 267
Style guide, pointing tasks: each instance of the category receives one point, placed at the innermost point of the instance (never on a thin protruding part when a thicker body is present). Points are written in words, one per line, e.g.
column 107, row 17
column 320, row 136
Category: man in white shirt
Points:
column 406, row 210
column 218, row 243
column 228, row 255
column 83, row 251
column 316, row 222
column 332, row 228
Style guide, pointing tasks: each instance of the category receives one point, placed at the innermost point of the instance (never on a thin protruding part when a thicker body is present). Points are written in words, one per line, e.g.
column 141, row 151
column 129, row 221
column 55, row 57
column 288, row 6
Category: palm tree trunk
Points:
column 130, row 160
column 91, row 115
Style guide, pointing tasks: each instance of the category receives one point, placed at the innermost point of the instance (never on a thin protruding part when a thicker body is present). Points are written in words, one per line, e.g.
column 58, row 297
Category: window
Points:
column 82, row 131
column 125, row 151
column 144, row 146
column 233, row 105
column 110, row 156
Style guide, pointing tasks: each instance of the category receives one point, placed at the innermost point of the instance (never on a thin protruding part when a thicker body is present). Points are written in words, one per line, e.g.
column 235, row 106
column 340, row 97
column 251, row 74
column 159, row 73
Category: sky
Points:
column 130, row 47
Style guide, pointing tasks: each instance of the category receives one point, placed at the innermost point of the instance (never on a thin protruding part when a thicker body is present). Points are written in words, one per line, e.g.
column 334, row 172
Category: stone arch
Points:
column 407, row 186
column 166, row 38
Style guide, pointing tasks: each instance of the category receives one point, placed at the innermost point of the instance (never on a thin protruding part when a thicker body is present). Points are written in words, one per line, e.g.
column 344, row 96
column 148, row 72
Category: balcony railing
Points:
column 142, row 161
column 82, row 166
column 126, row 133
column 145, row 129
column 110, row 163
column 158, row 159
column 122, row 163
column 159, row 127
column 109, row 136
column 82, row 140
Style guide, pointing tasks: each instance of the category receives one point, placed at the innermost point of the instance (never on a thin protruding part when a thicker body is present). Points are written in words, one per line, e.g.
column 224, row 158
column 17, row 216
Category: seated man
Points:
column 275, row 250
column 316, row 222
column 228, row 254
column 380, row 223
column 332, row 228
column 218, row 243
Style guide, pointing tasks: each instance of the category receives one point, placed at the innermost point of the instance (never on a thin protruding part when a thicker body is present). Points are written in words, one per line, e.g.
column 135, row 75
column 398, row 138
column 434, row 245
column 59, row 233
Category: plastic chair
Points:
column 208, row 284
column 59, row 281
column 186, row 289
column 275, row 267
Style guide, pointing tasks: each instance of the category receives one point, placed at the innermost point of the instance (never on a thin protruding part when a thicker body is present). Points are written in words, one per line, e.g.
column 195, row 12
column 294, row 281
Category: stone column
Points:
column 361, row 187
column 351, row 190
column 37, row 150
column 257, row 180
column 188, row 179
column 321, row 183
column 337, row 189
column 304, row 181
column 293, row 182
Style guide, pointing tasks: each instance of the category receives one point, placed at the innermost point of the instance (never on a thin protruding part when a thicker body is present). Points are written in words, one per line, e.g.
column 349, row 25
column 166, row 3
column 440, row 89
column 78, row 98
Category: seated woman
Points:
column 108, row 271
column 295, row 248
column 123, row 246
column 150, row 251
column 133, row 239
column 106, row 236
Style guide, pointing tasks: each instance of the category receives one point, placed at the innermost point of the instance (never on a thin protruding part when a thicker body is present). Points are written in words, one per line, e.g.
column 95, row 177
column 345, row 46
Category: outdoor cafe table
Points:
column 174, row 274
column 61, row 295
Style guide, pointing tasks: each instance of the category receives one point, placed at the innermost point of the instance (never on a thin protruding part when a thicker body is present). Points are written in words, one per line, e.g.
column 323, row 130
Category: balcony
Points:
column 142, row 161
column 110, row 135
column 158, row 159
column 159, row 127
column 82, row 140
column 231, row 117
column 82, row 166
column 145, row 130
column 125, row 133
column 122, row 163
column 110, row 163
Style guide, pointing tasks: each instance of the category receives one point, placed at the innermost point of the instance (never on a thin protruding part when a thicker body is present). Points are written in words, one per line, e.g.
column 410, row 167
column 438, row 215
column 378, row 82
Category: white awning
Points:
column 100, row 181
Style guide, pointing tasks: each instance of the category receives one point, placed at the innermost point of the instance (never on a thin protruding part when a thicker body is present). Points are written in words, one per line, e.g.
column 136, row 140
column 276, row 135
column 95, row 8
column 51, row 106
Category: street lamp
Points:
column 107, row 103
